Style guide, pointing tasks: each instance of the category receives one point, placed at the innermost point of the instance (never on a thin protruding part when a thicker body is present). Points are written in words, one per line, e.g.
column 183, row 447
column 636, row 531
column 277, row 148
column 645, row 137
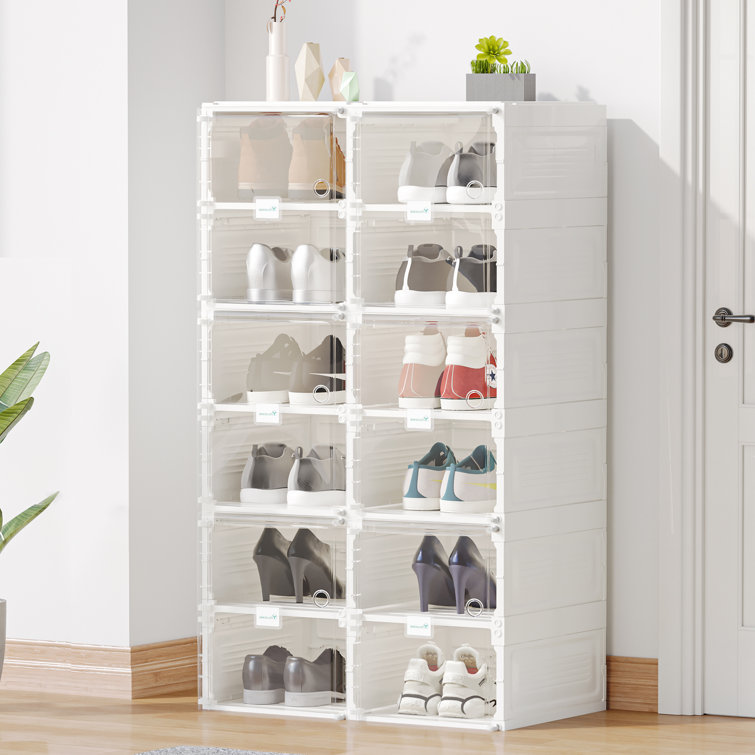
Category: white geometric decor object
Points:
column 309, row 75
column 350, row 86
column 341, row 66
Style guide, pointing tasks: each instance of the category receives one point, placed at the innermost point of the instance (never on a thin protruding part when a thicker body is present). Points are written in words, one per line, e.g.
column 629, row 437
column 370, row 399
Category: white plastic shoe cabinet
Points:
column 546, row 540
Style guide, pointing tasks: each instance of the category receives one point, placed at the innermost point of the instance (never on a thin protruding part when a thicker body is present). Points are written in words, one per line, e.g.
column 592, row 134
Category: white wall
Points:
column 175, row 62
column 63, row 269
column 587, row 49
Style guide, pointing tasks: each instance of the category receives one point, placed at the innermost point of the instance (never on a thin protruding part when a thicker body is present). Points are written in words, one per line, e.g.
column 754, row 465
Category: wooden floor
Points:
column 59, row 725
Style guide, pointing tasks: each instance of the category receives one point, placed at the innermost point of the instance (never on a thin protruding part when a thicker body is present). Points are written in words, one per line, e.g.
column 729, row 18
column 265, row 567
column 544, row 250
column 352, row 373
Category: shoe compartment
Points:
column 236, row 341
column 385, row 450
column 385, row 141
column 388, row 588
column 297, row 157
column 234, row 235
column 380, row 362
column 382, row 658
column 314, row 555
column 235, row 434
column 382, row 248
column 234, row 636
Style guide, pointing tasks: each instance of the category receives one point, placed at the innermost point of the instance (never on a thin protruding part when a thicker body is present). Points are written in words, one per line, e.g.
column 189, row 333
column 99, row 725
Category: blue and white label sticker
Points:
column 419, row 211
column 419, row 419
column 268, row 414
column 419, row 626
column 268, row 616
column 267, row 208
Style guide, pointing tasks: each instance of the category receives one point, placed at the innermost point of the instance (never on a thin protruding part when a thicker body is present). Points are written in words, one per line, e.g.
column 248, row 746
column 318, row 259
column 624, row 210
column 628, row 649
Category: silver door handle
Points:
column 723, row 317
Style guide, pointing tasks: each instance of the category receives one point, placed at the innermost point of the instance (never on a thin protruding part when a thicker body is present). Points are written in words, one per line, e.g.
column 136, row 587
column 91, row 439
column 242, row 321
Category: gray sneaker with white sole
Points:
column 270, row 371
column 265, row 475
column 317, row 682
column 318, row 479
column 262, row 676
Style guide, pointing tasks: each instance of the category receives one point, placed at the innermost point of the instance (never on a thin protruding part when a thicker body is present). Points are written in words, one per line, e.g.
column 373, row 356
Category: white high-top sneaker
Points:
column 467, row 691
column 422, row 682
column 424, row 362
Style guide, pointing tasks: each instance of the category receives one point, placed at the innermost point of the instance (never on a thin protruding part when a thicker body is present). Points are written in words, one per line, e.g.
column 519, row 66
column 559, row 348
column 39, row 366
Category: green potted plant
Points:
column 17, row 384
column 494, row 78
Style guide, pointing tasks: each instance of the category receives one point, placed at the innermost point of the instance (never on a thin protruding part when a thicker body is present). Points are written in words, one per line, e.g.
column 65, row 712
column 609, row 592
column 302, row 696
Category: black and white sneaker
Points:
column 320, row 376
column 474, row 280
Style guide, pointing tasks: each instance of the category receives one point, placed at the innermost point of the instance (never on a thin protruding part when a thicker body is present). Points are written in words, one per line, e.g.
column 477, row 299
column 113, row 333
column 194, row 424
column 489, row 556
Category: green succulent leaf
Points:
column 10, row 374
column 27, row 379
column 12, row 416
column 14, row 526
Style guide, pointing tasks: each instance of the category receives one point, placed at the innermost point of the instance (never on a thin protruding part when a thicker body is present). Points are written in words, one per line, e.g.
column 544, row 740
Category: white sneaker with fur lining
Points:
column 467, row 692
column 422, row 682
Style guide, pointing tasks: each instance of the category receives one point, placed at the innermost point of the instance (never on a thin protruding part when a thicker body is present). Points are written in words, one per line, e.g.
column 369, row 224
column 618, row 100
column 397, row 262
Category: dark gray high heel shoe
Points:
column 270, row 555
column 311, row 567
column 430, row 564
column 471, row 578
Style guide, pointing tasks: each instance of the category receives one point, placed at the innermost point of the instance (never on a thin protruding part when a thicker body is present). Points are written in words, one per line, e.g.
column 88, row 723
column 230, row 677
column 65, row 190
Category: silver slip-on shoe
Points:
column 270, row 371
column 268, row 274
column 317, row 682
column 265, row 475
column 318, row 479
column 262, row 676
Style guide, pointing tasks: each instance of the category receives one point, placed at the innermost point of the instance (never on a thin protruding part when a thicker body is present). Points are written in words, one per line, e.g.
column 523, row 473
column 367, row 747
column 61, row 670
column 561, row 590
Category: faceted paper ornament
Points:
column 350, row 86
column 309, row 75
column 336, row 74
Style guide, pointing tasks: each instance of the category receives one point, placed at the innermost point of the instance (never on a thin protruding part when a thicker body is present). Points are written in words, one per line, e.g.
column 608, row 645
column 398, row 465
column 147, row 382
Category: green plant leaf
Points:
column 7, row 377
column 480, row 47
column 15, row 525
column 23, row 385
column 12, row 416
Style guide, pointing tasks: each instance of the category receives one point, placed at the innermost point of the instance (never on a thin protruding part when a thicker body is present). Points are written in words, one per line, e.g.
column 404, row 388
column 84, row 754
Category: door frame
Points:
column 683, row 180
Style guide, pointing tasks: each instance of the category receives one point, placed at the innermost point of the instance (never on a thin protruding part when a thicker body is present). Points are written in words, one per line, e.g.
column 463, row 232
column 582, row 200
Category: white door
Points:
column 729, row 387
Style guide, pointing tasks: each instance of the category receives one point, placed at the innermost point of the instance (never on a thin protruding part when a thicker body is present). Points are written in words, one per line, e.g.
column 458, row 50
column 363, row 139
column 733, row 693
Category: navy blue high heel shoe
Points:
column 430, row 564
column 471, row 578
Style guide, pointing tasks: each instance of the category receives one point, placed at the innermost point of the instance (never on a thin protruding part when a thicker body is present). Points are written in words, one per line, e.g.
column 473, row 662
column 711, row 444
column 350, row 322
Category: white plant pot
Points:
column 2, row 635
column 276, row 63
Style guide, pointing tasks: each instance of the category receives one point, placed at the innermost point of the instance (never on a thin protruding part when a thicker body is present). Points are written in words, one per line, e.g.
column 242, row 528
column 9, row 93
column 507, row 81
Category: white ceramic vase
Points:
column 276, row 63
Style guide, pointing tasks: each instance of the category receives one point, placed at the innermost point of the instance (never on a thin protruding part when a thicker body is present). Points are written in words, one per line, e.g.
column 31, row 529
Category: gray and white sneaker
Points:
column 473, row 283
column 472, row 176
column 318, row 275
column 418, row 174
column 262, row 676
column 318, row 479
column 424, row 277
column 320, row 376
column 468, row 691
column 270, row 370
column 268, row 274
column 265, row 475
column 317, row 682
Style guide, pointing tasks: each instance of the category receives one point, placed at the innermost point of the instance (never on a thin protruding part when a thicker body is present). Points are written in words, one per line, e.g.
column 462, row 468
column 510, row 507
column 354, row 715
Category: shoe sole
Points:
column 302, row 296
column 260, row 495
column 467, row 507
column 433, row 194
column 309, row 699
column 420, row 298
column 460, row 195
column 267, row 296
column 317, row 399
column 461, row 404
column 267, row 397
column 263, row 696
column 419, row 403
column 469, row 300
column 316, row 498
column 421, row 504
